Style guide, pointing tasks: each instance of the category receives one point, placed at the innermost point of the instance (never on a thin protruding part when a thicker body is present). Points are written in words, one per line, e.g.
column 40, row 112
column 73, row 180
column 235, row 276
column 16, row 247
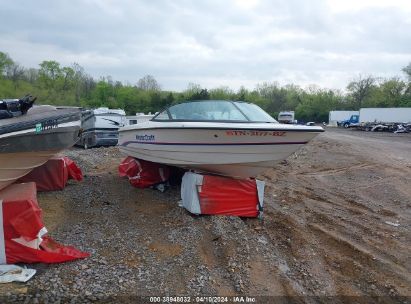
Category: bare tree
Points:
column 31, row 75
column 15, row 72
column 148, row 83
column 407, row 70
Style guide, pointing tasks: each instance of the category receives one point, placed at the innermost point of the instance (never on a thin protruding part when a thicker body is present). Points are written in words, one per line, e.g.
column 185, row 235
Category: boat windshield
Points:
column 214, row 110
column 254, row 112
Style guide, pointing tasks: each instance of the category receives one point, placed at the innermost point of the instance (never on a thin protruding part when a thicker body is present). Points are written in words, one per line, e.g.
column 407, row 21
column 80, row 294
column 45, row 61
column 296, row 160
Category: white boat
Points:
column 29, row 140
column 228, row 138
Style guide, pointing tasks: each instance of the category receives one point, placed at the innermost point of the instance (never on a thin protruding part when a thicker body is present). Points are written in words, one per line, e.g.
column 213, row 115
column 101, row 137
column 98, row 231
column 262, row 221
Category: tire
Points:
column 346, row 125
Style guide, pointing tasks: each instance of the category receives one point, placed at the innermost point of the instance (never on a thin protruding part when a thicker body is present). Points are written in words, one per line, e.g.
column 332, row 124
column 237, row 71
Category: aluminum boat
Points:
column 29, row 140
column 229, row 138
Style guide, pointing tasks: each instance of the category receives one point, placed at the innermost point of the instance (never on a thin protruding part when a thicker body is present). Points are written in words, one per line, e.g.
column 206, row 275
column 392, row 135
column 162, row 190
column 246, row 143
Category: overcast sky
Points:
column 213, row 42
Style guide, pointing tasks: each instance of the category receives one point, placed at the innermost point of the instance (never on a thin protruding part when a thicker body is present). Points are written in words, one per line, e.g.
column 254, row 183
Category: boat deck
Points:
column 36, row 115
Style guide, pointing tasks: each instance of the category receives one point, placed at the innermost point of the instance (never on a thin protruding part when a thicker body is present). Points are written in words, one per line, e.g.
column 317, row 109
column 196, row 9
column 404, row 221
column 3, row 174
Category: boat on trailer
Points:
column 30, row 137
column 228, row 138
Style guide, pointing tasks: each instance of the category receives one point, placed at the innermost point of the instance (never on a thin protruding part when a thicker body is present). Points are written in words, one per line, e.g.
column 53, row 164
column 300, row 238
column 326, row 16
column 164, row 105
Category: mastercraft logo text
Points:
column 145, row 137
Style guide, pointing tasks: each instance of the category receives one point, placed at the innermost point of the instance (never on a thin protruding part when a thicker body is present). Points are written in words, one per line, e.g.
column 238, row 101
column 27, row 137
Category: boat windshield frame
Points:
column 247, row 119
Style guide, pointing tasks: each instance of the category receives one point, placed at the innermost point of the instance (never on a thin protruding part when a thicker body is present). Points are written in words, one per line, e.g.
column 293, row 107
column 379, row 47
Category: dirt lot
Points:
column 337, row 222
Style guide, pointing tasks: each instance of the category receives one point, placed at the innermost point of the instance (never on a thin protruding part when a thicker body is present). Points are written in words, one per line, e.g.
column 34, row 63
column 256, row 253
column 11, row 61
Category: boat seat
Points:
column 196, row 116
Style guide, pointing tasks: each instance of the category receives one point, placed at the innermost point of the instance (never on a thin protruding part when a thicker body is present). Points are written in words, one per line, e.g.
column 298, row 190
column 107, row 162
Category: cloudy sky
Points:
column 213, row 42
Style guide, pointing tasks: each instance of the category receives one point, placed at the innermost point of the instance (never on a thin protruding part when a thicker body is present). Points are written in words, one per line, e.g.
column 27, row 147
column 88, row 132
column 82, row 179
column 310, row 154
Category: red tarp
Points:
column 53, row 175
column 142, row 173
column 221, row 195
column 209, row 194
column 22, row 232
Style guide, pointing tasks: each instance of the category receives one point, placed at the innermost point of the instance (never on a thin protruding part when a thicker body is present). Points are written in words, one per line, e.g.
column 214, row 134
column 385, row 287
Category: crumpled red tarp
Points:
column 53, row 175
column 22, row 228
column 142, row 173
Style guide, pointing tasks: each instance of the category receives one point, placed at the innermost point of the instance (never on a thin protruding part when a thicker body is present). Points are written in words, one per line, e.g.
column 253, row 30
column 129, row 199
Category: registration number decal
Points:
column 254, row 133
column 47, row 125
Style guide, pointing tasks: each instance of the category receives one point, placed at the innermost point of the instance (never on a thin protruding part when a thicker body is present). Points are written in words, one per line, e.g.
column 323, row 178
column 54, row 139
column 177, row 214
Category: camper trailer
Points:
column 138, row 118
column 100, row 127
column 286, row 117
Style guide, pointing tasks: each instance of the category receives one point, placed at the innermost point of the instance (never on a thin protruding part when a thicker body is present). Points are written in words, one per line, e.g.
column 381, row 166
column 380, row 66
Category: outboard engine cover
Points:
column 15, row 107
column 26, row 103
column 5, row 114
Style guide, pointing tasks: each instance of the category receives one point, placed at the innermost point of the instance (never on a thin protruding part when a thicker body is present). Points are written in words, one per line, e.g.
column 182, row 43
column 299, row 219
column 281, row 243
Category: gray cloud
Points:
column 210, row 42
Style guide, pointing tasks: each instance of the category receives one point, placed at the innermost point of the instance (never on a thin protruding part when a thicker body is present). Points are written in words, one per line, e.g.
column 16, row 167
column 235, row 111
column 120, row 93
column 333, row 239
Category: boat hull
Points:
column 16, row 165
column 23, row 147
column 235, row 152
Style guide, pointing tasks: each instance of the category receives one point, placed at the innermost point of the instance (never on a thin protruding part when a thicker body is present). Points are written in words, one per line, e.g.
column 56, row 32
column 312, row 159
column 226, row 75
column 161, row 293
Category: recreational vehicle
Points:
column 138, row 118
column 286, row 117
column 100, row 127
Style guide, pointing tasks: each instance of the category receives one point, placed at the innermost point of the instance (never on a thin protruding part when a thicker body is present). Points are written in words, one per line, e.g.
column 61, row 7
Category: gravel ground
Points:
column 324, row 232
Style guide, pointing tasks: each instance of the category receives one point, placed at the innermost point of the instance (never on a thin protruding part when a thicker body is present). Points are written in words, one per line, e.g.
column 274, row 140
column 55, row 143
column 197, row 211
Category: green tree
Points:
column 102, row 93
column 67, row 80
column 49, row 72
column 71, row 85
column 316, row 104
column 202, row 95
column 5, row 63
column 360, row 89
column 221, row 93
column 390, row 93
column 241, row 94
column 192, row 89
column 169, row 99
column 195, row 92
column 274, row 97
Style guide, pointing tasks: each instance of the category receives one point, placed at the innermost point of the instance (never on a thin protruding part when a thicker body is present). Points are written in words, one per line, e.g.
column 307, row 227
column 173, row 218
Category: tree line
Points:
column 70, row 85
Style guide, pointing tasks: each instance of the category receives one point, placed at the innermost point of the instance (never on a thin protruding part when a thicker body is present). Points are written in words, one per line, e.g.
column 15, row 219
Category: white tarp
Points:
column 14, row 273
column 3, row 259
column 189, row 192
column 260, row 192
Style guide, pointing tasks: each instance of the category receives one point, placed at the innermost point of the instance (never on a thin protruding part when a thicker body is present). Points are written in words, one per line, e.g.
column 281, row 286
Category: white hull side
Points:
column 218, row 151
column 24, row 150
column 220, row 163
column 16, row 165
